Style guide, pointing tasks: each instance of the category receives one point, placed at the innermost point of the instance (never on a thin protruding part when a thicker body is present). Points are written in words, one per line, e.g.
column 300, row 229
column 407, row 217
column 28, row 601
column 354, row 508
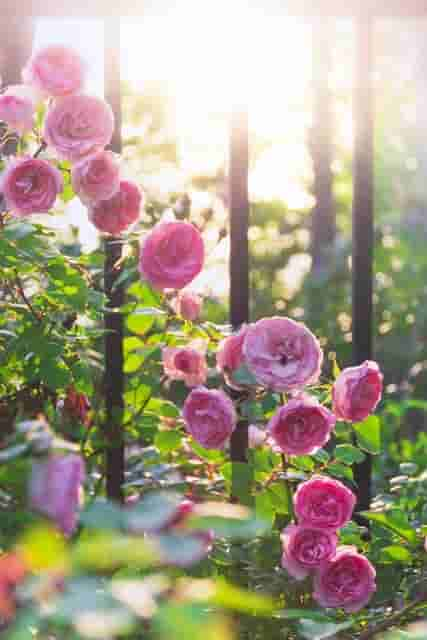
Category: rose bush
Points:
column 213, row 416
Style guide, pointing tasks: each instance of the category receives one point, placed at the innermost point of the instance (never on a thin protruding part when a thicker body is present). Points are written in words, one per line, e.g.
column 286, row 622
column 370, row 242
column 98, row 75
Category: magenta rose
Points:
column 209, row 417
column 282, row 354
column 186, row 363
column 172, row 255
column 346, row 581
column 301, row 426
column 230, row 355
column 357, row 391
column 17, row 108
column 306, row 549
column 97, row 177
column 188, row 305
column 323, row 503
column 30, row 185
column 119, row 212
column 55, row 484
column 77, row 126
column 55, row 71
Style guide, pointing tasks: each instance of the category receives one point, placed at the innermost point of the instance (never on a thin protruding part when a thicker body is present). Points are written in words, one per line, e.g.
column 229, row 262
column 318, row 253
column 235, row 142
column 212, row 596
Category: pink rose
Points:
column 305, row 549
column 230, row 355
column 30, row 185
column 256, row 436
column 119, row 212
column 55, row 71
column 209, row 417
column 188, row 305
column 323, row 503
column 346, row 581
column 96, row 177
column 55, row 484
column 282, row 354
column 172, row 255
column 77, row 126
column 17, row 107
column 357, row 391
column 301, row 426
column 186, row 363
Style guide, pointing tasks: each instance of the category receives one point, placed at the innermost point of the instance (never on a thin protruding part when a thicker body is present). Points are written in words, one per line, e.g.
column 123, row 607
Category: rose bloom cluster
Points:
column 342, row 577
column 77, row 129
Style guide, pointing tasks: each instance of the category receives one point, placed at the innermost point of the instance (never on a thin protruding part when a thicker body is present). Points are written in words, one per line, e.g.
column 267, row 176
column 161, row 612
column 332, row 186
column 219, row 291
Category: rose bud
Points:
column 301, row 427
column 323, row 503
column 346, row 581
column 172, row 255
column 209, row 417
column 186, row 363
column 306, row 549
column 230, row 356
column 282, row 354
column 357, row 391
column 188, row 305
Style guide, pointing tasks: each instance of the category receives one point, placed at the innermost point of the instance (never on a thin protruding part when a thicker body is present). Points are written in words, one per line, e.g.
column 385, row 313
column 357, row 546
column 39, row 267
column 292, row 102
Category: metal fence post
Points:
column 363, row 220
column 114, row 376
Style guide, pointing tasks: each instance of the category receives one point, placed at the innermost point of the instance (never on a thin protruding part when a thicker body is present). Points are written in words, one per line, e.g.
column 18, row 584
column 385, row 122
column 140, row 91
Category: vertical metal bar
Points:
column 239, row 217
column 323, row 216
column 114, row 376
column 363, row 219
column 239, row 270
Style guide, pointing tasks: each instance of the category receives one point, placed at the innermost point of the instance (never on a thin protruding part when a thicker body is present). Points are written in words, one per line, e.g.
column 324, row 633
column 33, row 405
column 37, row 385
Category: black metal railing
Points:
column 14, row 40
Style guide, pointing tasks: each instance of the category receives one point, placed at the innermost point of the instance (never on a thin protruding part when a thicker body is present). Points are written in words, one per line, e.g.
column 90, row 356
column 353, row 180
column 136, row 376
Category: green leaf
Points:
column 211, row 455
column 396, row 553
column 167, row 441
column 244, row 377
column 307, row 614
column 241, row 482
column 368, row 434
column 340, row 470
column 347, row 454
column 229, row 596
column 393, row 521
column 312, row 630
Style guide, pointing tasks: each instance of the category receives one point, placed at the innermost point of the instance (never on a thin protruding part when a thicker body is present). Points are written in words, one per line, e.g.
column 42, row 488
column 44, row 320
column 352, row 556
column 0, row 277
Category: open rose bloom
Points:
column 55, row 71
column 188, row 305
column 282, row 354
column 172, row 255
column 357, row 391
column 30, row 185
column 97, row 177
column 120, row 212
column 210, row 417
column 346, row 581
column 324, row 503
column 301, row 426
column 306, row 549
column 186, row 363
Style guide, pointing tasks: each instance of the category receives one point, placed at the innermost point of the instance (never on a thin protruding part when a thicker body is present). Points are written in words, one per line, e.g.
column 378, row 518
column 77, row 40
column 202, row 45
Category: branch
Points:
column 21, row 292
column 393, row 620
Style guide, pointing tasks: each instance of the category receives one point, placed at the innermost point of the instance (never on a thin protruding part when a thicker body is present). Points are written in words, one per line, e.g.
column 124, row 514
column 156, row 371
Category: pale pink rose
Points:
column 323, row 503
column 78, row 126
column 97, row 177
column 357, row 391
column 188, row 305
column 256, row 436
column 55, row 485
column 172, row 255
column 282, row 354
column 17, row 108
column 186, row 363
column 119, row 212
column 30, row 185
column 306, row 549
column 302, row 426
column 209, row 417
column 346, row 581
column 55, row 71
column 229, row 357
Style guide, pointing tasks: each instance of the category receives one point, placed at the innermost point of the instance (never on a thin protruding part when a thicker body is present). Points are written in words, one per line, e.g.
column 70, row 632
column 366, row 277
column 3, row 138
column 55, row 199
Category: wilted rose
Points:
column 301, row 426
column 346, row 581
column 357, row 391
column 306, row 549
column 282, row 354
column 324, row 503
column 209, row 417
column 172, row 255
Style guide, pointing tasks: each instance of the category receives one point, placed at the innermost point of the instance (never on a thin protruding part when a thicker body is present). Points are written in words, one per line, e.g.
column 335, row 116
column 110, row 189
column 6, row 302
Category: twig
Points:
column 392, row 620
column 21, row 291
